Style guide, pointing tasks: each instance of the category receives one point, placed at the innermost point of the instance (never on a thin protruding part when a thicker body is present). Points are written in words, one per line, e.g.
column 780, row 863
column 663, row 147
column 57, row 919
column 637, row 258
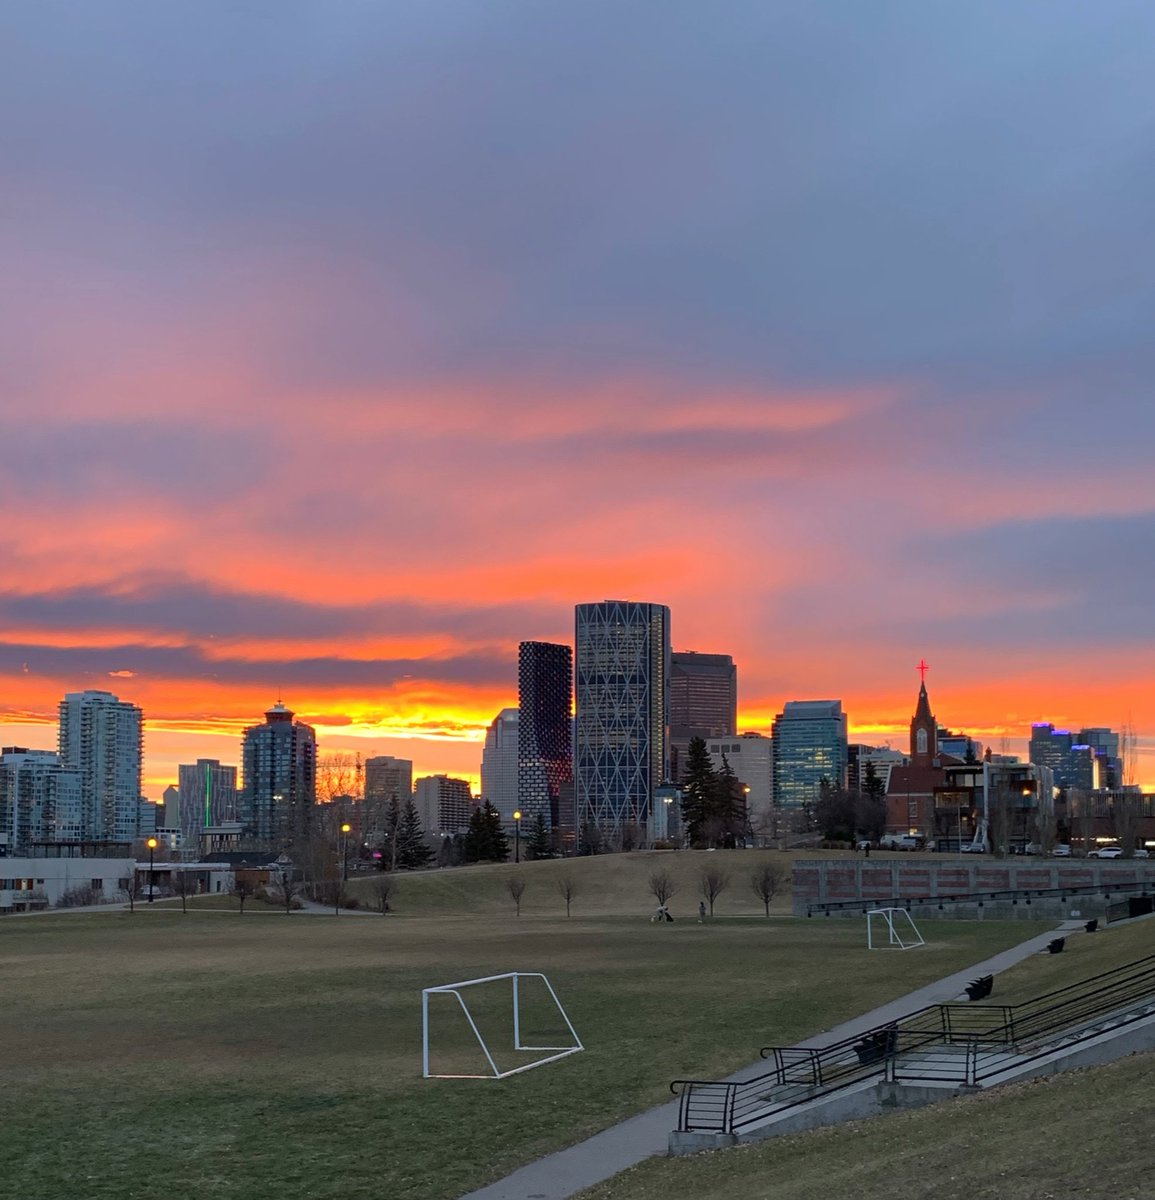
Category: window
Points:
column 922, row 741
column 98, row 885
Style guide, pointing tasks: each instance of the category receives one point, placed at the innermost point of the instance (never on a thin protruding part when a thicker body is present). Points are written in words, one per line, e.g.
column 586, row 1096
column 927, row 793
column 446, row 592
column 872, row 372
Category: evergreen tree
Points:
column 476, row 838
column 412, row 852
column 498, row 842
column 699, row 791
column 539, row 844
column 387, row 853
column 728, row 819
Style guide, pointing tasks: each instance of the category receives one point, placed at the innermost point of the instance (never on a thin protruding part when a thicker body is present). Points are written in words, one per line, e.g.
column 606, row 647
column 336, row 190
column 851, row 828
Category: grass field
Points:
column 279, row 1056
column 1085, row 1134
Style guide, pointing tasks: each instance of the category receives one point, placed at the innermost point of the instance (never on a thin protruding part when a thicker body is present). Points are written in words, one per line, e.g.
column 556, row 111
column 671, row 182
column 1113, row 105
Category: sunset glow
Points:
column 337, row 365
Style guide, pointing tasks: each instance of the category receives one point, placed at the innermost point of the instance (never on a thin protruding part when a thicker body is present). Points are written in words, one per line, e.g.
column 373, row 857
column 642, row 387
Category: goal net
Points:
column 487, row 1028
column 901, row 931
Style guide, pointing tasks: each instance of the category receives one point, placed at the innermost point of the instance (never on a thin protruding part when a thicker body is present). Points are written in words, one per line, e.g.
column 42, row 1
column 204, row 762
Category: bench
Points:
column 1091, row 926
column 1055, row 946
column 883, row 1043
column 979, row 989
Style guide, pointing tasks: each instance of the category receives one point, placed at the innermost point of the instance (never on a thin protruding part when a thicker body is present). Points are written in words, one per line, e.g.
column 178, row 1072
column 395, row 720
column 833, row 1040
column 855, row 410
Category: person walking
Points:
column 701, row 911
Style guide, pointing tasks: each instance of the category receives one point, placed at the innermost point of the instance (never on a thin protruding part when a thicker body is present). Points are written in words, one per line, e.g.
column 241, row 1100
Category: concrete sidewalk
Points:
column 605, row 1154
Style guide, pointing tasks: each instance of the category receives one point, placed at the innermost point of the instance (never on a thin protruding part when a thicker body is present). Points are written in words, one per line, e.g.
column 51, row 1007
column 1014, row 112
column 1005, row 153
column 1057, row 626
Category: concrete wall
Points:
column 909, row 876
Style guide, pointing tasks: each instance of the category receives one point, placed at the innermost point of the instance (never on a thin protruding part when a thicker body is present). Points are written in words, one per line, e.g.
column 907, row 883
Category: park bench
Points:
column 1091, row 926
column 979, row 989
column 883, row 1043
column 1055, row 945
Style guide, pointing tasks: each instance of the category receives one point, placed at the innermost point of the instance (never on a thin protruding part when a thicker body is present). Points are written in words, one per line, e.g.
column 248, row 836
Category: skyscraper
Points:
column 386, row 779
column 100, row 736
column 545, row 730
column 703, row 702
column 208, row 796
column 809, row 739
column 623, row 704
column 279, row 762
column 499, row 764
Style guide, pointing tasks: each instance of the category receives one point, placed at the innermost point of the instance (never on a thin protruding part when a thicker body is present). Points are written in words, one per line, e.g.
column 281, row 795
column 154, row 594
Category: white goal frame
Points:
column 452, row 989
column 894, row 938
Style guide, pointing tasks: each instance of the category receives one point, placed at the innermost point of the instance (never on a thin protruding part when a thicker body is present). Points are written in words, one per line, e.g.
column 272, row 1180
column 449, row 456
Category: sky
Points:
column 345, row 345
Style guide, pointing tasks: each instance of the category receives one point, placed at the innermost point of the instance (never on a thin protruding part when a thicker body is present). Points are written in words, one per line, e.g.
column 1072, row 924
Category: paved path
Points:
column 605, row 1154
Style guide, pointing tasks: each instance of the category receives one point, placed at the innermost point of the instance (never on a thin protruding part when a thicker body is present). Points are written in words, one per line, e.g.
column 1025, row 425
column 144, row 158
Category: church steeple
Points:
column 923, row 728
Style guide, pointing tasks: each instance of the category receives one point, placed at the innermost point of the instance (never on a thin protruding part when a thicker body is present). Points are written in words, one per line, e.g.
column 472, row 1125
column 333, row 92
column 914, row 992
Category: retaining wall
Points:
column 871, row 879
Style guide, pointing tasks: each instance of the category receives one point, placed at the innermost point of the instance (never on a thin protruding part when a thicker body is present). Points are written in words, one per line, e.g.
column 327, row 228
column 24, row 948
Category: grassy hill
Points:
column 605, row 885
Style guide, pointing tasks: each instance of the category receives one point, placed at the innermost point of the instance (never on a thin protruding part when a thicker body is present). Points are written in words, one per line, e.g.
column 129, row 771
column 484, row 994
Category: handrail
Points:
column 959, row 1042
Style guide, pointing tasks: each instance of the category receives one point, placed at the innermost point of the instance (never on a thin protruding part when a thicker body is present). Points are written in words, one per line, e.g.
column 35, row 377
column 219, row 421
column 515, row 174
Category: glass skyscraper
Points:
column 622, row 673
column 545, row 737
column 280, row 779
column 809, row 745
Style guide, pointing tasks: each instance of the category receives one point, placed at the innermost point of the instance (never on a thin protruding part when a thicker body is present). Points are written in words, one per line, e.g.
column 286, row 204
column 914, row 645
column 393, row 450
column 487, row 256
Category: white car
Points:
column 1107, row 852
column 1061, row 852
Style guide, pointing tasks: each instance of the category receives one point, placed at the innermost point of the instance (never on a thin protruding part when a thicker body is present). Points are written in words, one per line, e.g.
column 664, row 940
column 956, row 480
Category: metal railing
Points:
column 965, row 1044
column 1015, row 895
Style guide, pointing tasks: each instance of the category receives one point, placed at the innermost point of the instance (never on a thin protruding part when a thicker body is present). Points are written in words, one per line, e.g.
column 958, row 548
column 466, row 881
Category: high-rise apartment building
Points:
column 207, row 796
column 279, row 765
column 622, row 669
column 386, row 779
column 703, row 702
column 444, row 804
column 499, row 764
column 545, row 732
column 40, row 800
column 809, row 745
column 100, row 737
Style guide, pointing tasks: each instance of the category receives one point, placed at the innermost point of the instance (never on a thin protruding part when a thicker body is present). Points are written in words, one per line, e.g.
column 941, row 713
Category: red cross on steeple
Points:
column 922, row 668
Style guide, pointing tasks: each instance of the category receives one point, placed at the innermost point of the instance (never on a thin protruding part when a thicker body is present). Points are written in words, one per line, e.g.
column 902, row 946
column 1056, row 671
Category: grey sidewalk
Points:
column 605, row 1154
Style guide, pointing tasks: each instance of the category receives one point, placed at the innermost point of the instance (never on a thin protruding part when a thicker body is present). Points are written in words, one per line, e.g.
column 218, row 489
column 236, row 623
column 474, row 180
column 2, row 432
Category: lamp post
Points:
column 340, row 889
column 517, row 836
column 151, row 844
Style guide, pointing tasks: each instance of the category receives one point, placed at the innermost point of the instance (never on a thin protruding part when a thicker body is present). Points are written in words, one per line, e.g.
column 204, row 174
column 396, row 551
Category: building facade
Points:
column 101, row 738
column 622, row 690
column 444, row 804
column 751, row 756
column 499, row 764
column 279, row 765
column 545, row 732
column 810, row 745
column 703, row 702
column 386, row 779
column 40, row 800
column 207, row 797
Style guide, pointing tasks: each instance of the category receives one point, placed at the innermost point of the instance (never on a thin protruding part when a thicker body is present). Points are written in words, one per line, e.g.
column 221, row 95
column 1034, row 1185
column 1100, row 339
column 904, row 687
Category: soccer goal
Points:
column 901, row 931
column 517, row 997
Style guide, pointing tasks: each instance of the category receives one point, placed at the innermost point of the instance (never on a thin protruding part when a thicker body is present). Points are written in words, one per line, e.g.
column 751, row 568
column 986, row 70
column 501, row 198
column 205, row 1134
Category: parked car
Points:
column 1107, row 852
column 1141, row 853
column 905, row 841
column 974, row 848
column 1061, row 851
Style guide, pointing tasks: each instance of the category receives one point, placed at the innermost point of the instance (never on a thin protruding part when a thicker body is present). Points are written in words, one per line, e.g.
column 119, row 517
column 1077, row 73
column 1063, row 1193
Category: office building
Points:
column 751, row 757
column 386, row 779
column 207, row 797
column 100, row 737
column 1083, row 761
column 499, row 764
column 279, row 766
column 545, row 732
column 703, row 702
column 810, row 745
column 444, row 804
column 622, row 677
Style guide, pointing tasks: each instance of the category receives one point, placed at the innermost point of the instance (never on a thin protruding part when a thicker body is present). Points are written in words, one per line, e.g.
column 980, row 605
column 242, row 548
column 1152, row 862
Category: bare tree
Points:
column 289, row 888
column 132, row 890
column 1082, row 808
column 241, row 890
column 766, row 882
column 1046, row 829
column 185, row 884
column 712, row 882
column 662, row 886
column 1000, row 819
column 569, row 889
column 1125, row 814
column 515, row 886
column 382, row 889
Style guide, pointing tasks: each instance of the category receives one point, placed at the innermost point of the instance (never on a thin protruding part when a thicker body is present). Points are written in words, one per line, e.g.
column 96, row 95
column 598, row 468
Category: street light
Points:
column 517, row 836
column 151, row 844
column 340, row 891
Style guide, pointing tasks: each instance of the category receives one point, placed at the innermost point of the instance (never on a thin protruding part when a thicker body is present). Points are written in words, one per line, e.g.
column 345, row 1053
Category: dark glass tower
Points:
column 545, row 739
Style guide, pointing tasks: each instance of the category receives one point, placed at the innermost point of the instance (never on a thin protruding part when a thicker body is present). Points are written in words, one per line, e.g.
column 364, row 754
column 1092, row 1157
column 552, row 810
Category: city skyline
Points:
column 337, row 365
